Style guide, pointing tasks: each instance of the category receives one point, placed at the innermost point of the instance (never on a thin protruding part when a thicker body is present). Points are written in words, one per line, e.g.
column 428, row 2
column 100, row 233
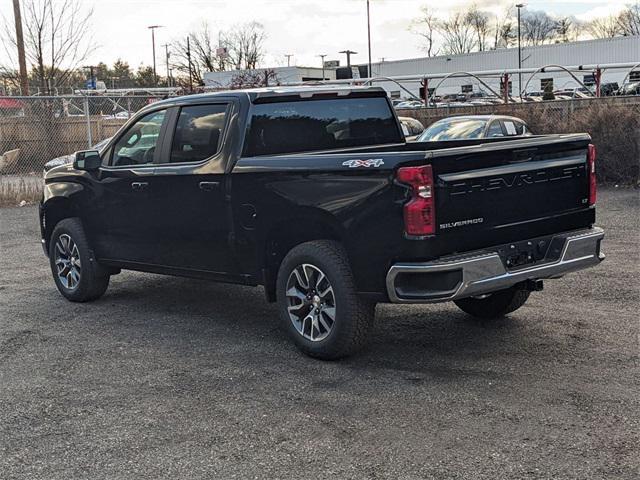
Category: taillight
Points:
column 419, row 212
column 591, row 166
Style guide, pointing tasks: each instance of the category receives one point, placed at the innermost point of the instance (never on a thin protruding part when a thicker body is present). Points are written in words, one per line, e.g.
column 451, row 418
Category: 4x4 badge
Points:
column 372, row 162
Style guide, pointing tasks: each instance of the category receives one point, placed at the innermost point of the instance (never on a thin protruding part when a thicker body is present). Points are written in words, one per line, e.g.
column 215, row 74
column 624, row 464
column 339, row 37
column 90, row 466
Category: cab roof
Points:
column 282, row 93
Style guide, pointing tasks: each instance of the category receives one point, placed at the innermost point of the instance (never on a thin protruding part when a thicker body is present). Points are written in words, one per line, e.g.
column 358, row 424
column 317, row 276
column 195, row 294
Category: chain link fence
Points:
column 34, row 130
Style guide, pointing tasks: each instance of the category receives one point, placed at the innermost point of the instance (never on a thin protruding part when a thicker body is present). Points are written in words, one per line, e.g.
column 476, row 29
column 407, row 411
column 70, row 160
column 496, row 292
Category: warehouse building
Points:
column 588, row 52
column 273, row 76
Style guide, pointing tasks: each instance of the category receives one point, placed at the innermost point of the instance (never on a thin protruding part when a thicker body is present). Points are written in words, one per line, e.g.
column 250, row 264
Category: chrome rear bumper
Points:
column 477, row 273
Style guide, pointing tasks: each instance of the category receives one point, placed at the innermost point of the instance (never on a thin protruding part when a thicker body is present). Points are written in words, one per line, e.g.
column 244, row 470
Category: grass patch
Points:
column 15, row 190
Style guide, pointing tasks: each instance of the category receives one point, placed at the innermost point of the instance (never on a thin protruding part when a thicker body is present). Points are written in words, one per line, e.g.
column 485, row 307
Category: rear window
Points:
column 309, row 125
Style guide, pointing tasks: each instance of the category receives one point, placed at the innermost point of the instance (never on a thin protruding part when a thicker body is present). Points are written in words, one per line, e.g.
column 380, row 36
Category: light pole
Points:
column 288, row 55
column 349, row 53
column 519, row 6
column 369, row 38
column 153, row 44
column 322, row 55
column 166, row 52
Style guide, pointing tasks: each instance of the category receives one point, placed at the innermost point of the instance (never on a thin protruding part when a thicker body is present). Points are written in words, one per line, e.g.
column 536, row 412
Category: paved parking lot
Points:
column 173, row 378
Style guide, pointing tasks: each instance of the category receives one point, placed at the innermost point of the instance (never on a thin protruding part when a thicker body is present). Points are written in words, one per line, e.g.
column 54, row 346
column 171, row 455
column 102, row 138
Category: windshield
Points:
column 453, row 129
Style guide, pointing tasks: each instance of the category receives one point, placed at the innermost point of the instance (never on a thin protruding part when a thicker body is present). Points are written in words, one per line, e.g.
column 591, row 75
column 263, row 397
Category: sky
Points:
column 303, row 28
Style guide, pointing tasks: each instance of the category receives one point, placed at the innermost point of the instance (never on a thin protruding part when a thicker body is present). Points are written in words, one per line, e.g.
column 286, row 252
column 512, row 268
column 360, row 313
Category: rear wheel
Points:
column 76, row 273
column 496, row 304
column 318, row 304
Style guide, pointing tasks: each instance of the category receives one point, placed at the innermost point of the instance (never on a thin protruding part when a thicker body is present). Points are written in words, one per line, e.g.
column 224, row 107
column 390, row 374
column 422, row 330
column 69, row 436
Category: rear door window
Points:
column 198, row 133
column 312, row 125
column 514, row 127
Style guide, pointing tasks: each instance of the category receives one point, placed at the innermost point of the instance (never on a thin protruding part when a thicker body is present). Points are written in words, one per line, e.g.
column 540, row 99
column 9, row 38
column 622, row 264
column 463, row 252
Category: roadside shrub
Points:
column 615, row 131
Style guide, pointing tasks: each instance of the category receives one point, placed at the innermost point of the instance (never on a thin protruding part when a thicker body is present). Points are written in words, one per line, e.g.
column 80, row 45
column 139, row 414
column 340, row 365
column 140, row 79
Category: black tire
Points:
column 93, row 278
column 353, row 315
column 496, row 305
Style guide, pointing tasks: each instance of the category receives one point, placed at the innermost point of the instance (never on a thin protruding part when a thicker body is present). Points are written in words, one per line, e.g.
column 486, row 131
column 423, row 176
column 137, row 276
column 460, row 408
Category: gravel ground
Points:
column 173, row 378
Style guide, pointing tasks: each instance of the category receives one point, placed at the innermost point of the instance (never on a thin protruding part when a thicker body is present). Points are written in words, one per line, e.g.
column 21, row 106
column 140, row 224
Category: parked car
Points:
column 411, row 127
column 67, row 159
column 630, row 89
column 473, row 127
column 410, row 104
column 608, row 89
column 313, row 193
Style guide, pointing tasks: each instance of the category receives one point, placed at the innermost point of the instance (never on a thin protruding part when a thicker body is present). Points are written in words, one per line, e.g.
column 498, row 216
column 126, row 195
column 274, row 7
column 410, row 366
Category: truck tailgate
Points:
column 497, row 186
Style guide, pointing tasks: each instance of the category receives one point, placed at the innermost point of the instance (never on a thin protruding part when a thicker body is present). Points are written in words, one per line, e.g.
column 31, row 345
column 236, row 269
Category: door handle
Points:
column 139, row 186
column 208, row 186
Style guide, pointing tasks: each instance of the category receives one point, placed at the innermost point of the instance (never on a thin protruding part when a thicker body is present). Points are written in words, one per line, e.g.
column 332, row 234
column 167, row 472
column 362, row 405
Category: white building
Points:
column 589, row 52
column 276, row 76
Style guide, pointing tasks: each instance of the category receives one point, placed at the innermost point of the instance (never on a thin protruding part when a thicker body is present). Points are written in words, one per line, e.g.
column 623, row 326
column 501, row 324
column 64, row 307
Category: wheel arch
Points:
column 287, row 234
column 53, row 211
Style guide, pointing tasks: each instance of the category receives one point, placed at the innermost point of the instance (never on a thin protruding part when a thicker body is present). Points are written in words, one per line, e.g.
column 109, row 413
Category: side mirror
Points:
column 88, row 160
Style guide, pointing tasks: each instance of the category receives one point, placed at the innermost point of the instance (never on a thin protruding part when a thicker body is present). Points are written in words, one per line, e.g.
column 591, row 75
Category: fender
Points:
column 58, row 202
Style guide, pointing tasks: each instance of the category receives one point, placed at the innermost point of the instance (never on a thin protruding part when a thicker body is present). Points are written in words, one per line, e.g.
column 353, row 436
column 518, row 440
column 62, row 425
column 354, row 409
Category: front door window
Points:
column 138, row 145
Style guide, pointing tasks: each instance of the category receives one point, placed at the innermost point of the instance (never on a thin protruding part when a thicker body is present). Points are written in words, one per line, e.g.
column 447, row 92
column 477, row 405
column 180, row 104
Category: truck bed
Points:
column 487, row 193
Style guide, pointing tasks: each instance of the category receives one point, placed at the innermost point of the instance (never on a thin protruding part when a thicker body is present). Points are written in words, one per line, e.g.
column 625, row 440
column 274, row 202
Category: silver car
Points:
column 474, row 126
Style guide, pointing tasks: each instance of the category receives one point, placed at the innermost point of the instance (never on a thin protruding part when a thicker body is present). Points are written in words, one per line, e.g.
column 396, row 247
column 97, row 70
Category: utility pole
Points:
column 349, row 53
column 189, row 60
column 519, row 6
column 24, row 79
column 166, row 52
column 288, row 55
column 369, row 74
column 153, row 44
column 322, row 55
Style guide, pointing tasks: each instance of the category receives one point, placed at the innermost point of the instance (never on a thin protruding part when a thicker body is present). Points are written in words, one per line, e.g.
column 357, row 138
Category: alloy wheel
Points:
column 67, row 261
column 311, row 302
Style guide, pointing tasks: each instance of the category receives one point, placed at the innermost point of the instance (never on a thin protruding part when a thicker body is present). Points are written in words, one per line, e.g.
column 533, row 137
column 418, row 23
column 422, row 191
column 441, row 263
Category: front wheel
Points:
column 76, row 273
column 318, row 304
column 496, row 304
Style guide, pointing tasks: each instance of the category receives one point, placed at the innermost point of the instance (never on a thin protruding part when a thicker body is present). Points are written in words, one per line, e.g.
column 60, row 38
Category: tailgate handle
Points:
column 519, row 156
column 139, row 186
column 208, row 186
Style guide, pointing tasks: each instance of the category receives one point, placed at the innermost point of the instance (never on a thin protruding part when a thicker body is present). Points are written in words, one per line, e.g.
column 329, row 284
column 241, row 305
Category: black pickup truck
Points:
column 313, row 193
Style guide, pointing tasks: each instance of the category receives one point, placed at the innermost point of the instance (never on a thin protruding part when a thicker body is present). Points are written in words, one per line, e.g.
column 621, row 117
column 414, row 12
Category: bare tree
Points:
column 505, row 30
column 239, row 48
column 426, row 26
column 479, row 22
column 254, row 79
column 458, row 34
column 203, row 53
column 604, row 27
column 56, row 39
column 568, row 29
column 537, row 28
column 629, row 20
column 245, row 45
